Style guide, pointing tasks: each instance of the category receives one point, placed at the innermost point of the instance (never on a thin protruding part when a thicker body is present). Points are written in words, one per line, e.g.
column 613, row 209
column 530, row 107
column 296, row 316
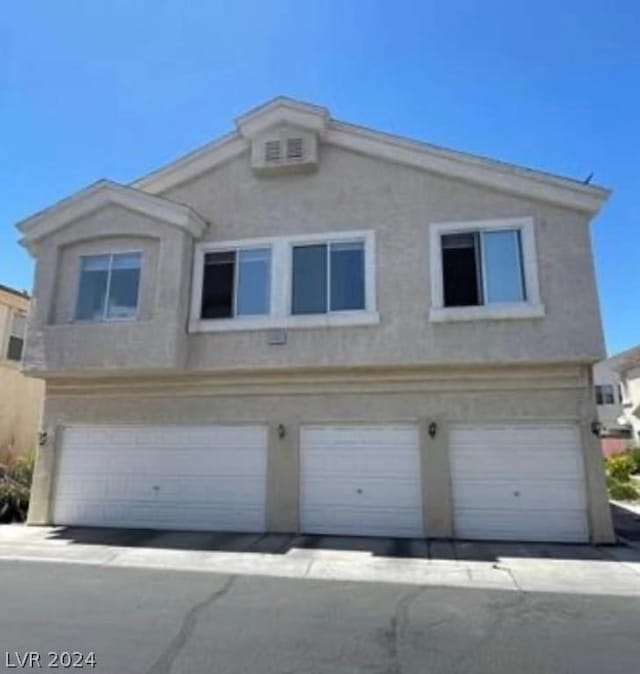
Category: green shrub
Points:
column 619, row 467
column 620, row 490
column 634, row 453
column 15, row 485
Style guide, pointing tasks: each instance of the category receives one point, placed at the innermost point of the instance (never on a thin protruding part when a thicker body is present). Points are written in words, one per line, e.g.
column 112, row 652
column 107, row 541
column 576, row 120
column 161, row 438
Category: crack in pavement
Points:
column 398, row 624
column 165, row 662
column 492, row 631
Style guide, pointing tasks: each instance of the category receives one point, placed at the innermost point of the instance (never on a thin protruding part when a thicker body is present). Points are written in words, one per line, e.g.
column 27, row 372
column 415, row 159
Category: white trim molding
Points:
column 475, row 169
column 102, row 194
column 280, row 316
column 532, row 307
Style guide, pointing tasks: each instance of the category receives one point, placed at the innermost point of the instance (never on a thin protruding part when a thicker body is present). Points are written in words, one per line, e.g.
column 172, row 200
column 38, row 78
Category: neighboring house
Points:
column 20, row 396
column 311, row 326
column 619, row 377
column 616, row 431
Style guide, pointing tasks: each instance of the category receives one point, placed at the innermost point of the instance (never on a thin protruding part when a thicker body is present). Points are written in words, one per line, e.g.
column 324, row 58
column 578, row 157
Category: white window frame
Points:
column 281, row 285
column 530, row 307
column 105, row 318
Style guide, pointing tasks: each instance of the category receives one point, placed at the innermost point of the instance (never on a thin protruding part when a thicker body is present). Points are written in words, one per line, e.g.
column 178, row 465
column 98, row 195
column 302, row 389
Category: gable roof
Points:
column 470, row 168
column 101, row 194
column 624, row 360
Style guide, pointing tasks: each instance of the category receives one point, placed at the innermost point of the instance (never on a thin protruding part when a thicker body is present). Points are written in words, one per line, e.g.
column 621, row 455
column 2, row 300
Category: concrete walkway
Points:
column 531, row 567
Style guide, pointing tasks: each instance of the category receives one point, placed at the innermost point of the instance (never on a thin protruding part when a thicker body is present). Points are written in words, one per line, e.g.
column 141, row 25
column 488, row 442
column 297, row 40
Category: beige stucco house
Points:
column 20, row 396
column 311, row 326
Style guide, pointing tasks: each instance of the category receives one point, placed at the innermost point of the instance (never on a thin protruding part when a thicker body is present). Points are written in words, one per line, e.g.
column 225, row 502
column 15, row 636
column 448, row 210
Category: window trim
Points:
column 105, row 318
column 531, row 307
column 280, row 315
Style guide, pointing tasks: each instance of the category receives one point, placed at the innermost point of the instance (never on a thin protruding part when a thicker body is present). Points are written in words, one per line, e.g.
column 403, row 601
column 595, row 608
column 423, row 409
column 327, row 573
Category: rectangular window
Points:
column 605, row 394
column 482, row 268
column 236, row 283
column 16, row 337
column 109, row 286
column 328, row 277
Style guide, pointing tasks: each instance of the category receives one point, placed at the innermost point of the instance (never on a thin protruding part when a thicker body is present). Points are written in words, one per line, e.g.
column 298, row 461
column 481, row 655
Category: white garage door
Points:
column 178, row 477
column 361, row 480
column 518, row 482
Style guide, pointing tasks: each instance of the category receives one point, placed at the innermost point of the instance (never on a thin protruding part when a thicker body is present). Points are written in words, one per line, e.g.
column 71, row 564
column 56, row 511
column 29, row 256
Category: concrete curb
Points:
column 616, row 572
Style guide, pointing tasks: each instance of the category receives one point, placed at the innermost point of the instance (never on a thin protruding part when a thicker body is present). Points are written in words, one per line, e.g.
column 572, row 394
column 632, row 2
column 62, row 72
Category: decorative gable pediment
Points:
column 100, row 195
column 284, row 136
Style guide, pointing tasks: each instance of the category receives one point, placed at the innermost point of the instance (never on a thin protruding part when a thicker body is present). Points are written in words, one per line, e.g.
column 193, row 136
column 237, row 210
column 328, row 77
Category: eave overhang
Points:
column 100, row 195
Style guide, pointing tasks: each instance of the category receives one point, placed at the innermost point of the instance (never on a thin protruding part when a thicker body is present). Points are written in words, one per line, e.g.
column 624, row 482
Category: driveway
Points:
column 155, row 621
column 583, row 569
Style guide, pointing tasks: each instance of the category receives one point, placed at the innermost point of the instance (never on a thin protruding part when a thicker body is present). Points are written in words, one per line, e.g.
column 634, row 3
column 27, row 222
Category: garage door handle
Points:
column 156, row 487
column 359, row 491
column 516, row 493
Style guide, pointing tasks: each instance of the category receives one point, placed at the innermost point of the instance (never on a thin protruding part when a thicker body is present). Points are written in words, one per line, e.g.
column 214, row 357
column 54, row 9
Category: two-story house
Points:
column 20, row 396
column 309, row 326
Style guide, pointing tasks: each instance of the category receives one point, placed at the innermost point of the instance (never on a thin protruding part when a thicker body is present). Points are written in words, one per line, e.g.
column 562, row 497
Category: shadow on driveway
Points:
column 626, row 523
column 280, row 544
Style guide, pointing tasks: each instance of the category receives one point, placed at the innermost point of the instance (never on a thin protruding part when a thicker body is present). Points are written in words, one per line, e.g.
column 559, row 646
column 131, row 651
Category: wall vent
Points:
column 294, row 148
column 272, row 150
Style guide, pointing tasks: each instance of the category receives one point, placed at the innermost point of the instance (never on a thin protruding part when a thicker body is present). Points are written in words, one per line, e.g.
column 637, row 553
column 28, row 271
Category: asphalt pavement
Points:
column 155, row 621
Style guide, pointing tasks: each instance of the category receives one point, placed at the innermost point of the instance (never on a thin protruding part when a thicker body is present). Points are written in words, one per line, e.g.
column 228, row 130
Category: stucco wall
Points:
column 157, row 339
column 20, row 411
column 20, row 396
column 350, row 191
column 556, row 396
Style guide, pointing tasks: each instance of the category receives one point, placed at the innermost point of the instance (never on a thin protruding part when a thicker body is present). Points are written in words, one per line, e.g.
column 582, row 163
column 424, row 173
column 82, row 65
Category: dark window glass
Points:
column 309, row 292
column 605, row 394
column 217, row 285
column 347, row 276
column 14, row 350
column 461, row 270
column 16, row 337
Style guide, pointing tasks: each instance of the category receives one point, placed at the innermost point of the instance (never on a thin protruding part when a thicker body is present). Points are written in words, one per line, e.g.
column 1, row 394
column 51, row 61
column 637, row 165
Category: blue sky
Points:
column 117, row 88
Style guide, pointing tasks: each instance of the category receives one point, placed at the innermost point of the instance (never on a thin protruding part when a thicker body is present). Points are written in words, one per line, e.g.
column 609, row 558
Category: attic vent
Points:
column 272, row 150
column 294, row 148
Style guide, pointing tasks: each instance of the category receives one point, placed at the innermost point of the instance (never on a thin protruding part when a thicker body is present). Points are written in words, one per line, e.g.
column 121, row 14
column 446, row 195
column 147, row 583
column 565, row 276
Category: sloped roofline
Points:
column 103, row 193
column 624, row 360
column 475, row 169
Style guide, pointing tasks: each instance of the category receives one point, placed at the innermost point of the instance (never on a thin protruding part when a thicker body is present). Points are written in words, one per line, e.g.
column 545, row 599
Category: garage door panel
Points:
column 157, row 489
column 361, row 479
column 516, row 481
column 555, row 463
column 530, row 494
column 518, row 434
column 341, row 492
column 204, row 477
column 539, row 525
column 221, row 516
column 380, row 521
